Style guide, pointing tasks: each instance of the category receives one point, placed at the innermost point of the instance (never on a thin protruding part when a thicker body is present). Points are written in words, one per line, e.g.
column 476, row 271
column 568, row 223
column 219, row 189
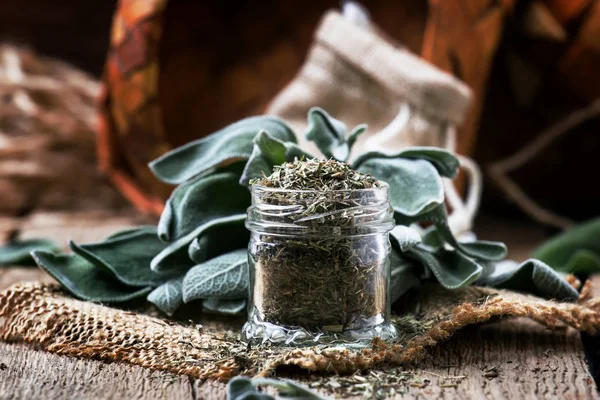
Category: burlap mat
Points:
column 46, row 317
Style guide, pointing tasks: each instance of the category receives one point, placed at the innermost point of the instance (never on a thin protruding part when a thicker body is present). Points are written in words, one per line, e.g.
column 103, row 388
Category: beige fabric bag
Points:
column 359, row 77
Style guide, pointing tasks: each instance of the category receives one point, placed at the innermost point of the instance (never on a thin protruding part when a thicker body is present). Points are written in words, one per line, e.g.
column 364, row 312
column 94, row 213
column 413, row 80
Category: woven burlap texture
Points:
column 47, row 318
column 361, row 78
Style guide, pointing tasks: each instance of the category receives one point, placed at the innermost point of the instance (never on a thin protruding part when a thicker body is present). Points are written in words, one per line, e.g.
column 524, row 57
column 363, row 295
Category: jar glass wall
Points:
column 319, row 266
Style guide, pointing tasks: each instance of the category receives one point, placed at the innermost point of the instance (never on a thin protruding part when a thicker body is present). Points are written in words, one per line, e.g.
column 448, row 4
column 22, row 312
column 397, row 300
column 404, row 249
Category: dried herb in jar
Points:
column 332, row 275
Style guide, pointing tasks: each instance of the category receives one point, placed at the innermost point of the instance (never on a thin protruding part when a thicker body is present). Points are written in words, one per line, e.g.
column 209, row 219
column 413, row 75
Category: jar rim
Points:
column 384, row 188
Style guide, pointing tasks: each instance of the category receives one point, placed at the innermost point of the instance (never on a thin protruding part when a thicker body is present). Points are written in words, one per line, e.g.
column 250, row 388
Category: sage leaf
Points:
column 168, row 297
column 583, row 263
column 532, row 276
column 431, row 237
column 210, row 243
column 175, row 257
column 84, row 279
column 404, row 238
column 576, row 250
column 127, row 257
column 231, row 143
column 446, row 163
column 479, row 249
column 415, row 185
column 18, row 252
column 269, row 151
column 224, row 277
column 356, row 132
column 328, row 134
column 451, row 269
column 226, row 307
column 403, row 275
column 132, row 231
column 244, row 388
column 201, row 200
column 288, row 389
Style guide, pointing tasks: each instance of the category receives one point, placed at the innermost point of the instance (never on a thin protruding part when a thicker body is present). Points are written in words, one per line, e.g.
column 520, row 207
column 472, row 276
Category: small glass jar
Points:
column 319, row 266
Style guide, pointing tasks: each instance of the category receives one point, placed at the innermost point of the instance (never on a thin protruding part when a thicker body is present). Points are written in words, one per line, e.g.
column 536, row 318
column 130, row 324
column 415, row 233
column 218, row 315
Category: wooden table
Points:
column 512, row 359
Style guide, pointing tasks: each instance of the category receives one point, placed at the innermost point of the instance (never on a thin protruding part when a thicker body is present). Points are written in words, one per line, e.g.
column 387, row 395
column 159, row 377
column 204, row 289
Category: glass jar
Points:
column 319, row 266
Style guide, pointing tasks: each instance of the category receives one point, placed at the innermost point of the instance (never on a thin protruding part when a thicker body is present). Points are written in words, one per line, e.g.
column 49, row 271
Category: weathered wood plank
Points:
column 529, row 360
column 30, row 374
column 511, row 359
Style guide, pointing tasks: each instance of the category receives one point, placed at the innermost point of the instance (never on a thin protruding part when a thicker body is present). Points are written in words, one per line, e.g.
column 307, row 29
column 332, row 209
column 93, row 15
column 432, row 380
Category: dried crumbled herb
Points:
column 330, row 278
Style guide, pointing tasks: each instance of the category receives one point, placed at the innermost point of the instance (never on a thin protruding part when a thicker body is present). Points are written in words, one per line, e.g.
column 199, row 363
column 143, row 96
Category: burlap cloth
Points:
column 47, row 318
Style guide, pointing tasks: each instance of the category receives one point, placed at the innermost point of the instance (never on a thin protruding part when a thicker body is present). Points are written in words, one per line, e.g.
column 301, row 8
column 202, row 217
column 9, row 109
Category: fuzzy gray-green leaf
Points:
column 289, row 389
column 168, row 297
column 226, row 307
column 328, row 134
column 242, row 388
column 176, row 257
column 269, row 151
column 19, row 252
column 127, row 257
column 197, row 202
column 354, row 135
column 446, row 163
column 403, row 275
column 132, row 231
column 452, row 269
column 576, row 250
column 86, row 280
column 415, row 185
column 210, row 243
column 532, row 276
column 404, row 237
column 233, row 142
column 480, row 249
column 224, row 277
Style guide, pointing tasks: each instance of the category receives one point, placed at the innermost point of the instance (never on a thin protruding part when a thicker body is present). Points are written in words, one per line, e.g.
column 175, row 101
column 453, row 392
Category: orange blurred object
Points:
column 179, row 70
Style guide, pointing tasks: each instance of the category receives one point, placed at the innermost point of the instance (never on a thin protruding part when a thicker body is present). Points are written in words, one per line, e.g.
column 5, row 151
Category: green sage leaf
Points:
column 532, row 276
column 201, row 200
column 446, row 163
column 404, row 238
column 288, row 389
column 224, row 277
column 231, row 143
column 19, row 252
column 132, row 231
column 176, row 258
column 84, row 279
column 210, row 243
column 127, row 257
column 480, row 249
column 403, row 275
column 576, row 250
column 583, row 263
column 226, row 307
column 168, row 297
column 269, row 151
column 415, row 185
column 328, row 134
column 242, row 388
column 356, row 132
column 452, row 269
